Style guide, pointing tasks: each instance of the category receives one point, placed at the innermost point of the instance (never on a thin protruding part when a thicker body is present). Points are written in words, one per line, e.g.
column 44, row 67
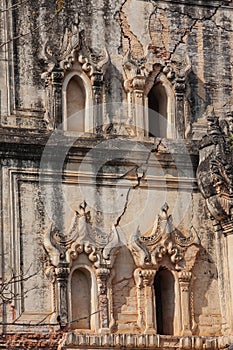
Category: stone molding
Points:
column 145, row 341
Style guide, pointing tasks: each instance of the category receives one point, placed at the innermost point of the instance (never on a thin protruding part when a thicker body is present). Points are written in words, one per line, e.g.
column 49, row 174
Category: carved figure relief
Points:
column 215, row 171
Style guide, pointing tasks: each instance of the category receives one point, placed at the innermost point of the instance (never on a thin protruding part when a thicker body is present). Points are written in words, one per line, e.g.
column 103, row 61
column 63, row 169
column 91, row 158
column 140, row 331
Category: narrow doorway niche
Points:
column 81, row 299
column 164, row 286
column 157, row 104
column 75, row 95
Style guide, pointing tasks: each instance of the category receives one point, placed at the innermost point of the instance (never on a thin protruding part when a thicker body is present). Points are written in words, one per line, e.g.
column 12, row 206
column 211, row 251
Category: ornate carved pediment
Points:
column 82, row 237
column 164, row 239
column 73, row 48
column 215, row 170
column 140, row 73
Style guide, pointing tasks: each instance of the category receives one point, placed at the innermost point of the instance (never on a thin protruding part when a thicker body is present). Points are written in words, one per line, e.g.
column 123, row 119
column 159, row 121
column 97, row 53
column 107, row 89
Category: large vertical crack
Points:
column 140, row 172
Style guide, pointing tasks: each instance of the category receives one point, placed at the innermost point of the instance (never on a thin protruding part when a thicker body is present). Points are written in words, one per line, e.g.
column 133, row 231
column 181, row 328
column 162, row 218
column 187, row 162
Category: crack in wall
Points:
column 139, row 177
column 123, row 280
column 134, row 45
column 187, row 31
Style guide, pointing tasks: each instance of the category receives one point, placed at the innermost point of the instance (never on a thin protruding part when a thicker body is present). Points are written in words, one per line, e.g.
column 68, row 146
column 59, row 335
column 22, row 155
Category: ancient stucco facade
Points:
column 116, row 174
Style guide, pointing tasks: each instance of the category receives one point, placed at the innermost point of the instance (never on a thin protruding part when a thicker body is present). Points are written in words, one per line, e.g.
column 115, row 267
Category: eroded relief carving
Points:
column 73, row 49
column 101, row 249
column 215, row 169
column 164, row 240
column 82, row 237
column 140, row 76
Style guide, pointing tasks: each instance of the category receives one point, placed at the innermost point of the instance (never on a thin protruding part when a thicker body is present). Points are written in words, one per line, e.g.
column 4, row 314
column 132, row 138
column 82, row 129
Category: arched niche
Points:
column 77, row 103
column 161, row 109
column 164, row 288
column 82, row 285
column 81, row 299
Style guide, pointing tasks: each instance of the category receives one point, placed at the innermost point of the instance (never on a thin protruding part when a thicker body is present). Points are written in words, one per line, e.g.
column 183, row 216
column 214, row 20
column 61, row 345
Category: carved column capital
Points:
column 144, row 277
column 180, row 85
column 57, row 76
column 185, row 276
column 102, row 275
column 97, row 79
column 62, row 271
column 148, row 277
column 138, row 83
column 227, row 226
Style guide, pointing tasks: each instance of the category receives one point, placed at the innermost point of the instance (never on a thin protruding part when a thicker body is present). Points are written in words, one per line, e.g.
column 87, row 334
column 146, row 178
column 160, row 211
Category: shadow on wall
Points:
column 198, row 96
column 204, row 273
column 113, row 87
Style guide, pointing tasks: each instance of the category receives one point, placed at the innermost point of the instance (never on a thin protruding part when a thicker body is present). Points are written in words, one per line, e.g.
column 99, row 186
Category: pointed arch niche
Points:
column 161, row 109
column 77, row 102
column 83, row 299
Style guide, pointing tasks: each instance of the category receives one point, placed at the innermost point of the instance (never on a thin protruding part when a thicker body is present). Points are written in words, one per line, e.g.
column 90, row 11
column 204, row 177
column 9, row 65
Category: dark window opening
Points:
column 164, row 285
column 157, row 103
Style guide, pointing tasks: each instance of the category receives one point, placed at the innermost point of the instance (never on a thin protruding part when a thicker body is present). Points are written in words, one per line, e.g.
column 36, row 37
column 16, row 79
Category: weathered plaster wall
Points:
column 33, row 204
column 128, row 186
column 202, row 32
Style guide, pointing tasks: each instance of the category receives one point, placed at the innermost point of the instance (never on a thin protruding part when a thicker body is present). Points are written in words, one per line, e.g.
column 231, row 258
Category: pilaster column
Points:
column 148, row 280
column 224, row 282
column 56, row 84
column 138, row 84
column 226, row 227
column 2, row 318
column 97, row 87
column 184, row 283
column 102, row 275
column 112, row 322
column 146, row 304
column 180, row 89
column 140, row 299
column 137, row 113
column 62, row 272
